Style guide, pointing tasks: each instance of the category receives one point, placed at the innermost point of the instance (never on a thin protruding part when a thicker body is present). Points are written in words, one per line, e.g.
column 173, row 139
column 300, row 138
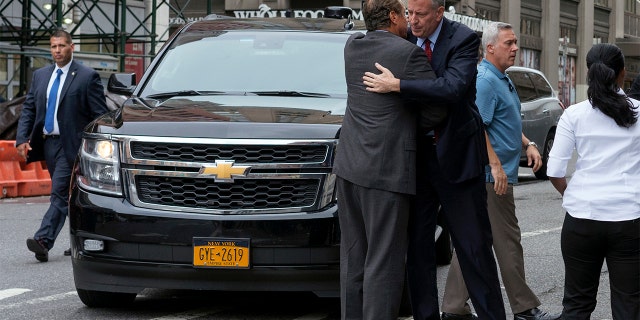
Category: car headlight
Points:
column 99, row 166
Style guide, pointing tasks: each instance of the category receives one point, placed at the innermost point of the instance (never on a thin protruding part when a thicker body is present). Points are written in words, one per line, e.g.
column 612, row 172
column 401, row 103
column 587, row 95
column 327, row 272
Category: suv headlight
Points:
column 100, row 166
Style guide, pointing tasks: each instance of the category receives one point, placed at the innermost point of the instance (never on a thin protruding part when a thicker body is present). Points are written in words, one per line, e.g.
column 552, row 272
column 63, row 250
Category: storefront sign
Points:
column 265, row 11
column 475, row 24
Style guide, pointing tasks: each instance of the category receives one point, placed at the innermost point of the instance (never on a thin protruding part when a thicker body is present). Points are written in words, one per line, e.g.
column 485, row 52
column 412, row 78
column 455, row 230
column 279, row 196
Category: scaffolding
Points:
column 108, row 28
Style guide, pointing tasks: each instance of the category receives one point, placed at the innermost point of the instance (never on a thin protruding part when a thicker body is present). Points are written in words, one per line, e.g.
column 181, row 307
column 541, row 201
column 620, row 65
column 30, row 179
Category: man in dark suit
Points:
column 63, row 99
column 451, row 162
column 499, row 107
column 375, row 165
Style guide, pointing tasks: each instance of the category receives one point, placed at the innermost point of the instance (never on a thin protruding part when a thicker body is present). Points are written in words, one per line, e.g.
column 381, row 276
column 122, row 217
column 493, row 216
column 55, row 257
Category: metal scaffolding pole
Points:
column 105, row 28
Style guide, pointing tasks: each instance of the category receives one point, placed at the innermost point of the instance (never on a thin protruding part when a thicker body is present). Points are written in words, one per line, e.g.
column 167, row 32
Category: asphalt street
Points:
column 34, row 290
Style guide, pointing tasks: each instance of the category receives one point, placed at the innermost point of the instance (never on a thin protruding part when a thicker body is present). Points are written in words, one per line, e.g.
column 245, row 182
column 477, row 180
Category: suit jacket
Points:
column 377, row 147
column 81, row 100
column 461, row 147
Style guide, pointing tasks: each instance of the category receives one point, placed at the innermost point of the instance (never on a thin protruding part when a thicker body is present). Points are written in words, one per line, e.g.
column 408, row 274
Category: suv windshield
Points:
column 263, row 62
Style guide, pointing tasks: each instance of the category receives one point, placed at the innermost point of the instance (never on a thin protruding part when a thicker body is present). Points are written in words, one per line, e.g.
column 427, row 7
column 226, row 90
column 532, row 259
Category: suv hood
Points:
column 237, row 116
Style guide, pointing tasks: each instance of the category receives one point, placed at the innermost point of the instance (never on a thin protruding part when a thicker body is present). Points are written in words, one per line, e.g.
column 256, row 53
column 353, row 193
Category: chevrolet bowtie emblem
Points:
column 225, row 171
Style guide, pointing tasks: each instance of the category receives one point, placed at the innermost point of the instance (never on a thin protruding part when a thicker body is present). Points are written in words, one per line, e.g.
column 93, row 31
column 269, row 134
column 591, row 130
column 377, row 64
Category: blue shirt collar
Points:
column 493, row 69
column 500, row 75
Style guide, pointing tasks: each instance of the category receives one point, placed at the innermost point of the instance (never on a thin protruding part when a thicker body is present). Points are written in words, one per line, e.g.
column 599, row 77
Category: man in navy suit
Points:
column 451, row 162
column 375, row 164
column 51, row 125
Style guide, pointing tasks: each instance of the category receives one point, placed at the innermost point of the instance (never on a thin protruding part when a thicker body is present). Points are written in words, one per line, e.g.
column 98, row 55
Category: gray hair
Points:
column 490, row 34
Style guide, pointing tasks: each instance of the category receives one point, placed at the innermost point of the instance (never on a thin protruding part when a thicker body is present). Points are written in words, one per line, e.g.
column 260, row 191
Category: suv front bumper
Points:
column 146, row 248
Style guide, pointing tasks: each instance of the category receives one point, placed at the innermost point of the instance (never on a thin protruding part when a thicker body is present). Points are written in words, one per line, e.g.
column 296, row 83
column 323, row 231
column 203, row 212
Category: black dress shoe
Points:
column 67, row 252
column 37, row 247
column 535, row 314
column 453, row 316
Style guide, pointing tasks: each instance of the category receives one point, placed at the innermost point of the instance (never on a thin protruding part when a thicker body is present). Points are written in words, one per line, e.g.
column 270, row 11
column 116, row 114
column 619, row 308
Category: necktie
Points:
column 428, row 52
column 51, row 103
column 427, row 49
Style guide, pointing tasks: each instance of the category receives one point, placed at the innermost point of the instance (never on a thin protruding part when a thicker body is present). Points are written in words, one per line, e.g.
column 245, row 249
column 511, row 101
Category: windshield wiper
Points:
column 285, row 93
column 182, row 93
column 281, row 93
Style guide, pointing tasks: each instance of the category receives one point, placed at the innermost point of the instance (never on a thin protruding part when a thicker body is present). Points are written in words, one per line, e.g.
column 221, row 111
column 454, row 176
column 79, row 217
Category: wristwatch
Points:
column 531, row 143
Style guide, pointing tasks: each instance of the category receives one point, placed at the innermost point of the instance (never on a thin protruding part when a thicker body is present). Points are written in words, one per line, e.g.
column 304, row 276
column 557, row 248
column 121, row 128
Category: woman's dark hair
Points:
column 605, row 62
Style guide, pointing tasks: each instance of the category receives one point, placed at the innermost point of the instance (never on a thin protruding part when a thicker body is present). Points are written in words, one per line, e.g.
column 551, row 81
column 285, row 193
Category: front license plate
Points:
column 226, row 253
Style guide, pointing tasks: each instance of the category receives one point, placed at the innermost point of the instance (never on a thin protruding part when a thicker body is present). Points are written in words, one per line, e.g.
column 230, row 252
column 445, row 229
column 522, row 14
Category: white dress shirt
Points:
column 606, row 183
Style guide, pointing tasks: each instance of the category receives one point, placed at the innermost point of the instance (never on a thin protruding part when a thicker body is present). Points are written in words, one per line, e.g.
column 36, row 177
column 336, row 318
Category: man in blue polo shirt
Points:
column 499, row 106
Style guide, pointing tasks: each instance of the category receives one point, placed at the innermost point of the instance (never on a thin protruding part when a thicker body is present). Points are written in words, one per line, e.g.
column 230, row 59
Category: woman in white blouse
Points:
column 602, row 198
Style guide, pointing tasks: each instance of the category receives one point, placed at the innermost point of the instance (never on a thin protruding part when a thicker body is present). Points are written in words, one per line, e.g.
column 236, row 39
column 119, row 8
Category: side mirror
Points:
column 122, row 83
column 337, row 12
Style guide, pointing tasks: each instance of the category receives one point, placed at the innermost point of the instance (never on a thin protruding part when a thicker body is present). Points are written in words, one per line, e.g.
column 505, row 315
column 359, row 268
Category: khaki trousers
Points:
column 509, row 255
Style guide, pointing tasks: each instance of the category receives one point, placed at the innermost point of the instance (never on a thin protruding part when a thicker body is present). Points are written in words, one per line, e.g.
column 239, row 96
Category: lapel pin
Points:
column 73, row 73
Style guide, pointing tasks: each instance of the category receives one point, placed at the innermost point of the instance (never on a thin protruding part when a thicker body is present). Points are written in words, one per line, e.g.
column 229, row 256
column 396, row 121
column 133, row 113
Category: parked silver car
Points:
column 540, row 111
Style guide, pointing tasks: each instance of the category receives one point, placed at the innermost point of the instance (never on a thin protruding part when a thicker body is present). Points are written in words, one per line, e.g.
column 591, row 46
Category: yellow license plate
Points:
column 226, row 253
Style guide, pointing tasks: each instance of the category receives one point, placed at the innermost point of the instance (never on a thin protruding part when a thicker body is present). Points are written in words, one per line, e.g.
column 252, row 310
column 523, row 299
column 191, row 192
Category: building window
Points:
column 630, row 6
column 530, row 58
column 600, row 38
column 530, row 27
column 488, row 14
column 602, row 3
column 487, row 10
column 569, row 32
column 567, row 79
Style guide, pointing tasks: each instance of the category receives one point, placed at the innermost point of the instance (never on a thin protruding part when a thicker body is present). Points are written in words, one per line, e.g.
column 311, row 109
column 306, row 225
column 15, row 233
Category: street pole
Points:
column 565, row 92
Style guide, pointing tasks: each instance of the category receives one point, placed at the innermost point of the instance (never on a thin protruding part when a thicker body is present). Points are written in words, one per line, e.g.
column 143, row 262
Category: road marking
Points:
column 40, row 300
column 190, row 314
column 8, row 293
column 539, row 232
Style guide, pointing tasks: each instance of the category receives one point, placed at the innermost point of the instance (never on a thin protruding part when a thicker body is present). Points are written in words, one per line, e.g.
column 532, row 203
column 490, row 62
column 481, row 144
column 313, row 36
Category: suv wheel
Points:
column 548, row 143
column 101, row 299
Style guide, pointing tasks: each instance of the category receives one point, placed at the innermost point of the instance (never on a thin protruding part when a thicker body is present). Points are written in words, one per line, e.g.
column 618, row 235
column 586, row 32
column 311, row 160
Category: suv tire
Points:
column 548, row 144
column 101, row 299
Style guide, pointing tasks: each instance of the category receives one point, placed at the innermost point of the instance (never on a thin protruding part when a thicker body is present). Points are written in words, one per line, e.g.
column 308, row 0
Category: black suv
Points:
column 216, row 173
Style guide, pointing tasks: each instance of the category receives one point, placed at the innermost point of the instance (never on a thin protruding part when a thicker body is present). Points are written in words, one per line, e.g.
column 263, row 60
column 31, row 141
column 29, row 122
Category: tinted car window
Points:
column 544, row 90
column 524, row 86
